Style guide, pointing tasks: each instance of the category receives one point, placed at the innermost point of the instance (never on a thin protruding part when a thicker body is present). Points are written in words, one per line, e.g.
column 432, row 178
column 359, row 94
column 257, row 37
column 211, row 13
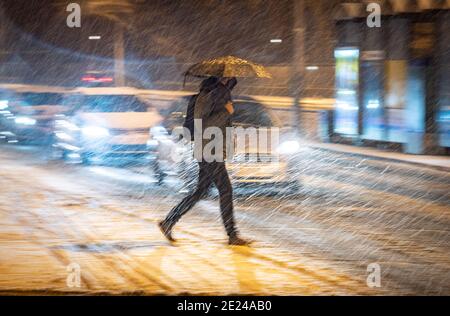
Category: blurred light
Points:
column 312, row 68
column 3, row 104
column 159, row 129
column 346, row 92
column 94, row 79
column 105, row 79
column 25, row 120
column 373, row 104
column 342, row 53
column 95, row 131
column 13, row 141
column 74, row 156
column 152, row 143
column 345, row 106
column 88, row 79
column 63, row 136
column 68, row 125
column 288, row 147
column 69, row 147
column 159, row 132
column 95, row 37
column 276, row 40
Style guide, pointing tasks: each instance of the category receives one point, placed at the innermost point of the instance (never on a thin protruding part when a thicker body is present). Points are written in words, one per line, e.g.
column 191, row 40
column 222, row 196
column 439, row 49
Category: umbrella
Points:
column 228, row 66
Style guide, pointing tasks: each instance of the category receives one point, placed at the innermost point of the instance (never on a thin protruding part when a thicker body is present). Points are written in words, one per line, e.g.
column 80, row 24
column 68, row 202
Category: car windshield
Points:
column 113, row 103
column 250, row 114
column 33, row 99
column 245, row 114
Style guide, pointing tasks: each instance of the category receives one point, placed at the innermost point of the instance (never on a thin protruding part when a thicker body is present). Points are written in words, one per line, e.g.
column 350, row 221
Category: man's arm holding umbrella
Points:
column 220, row 99
column 218, row 103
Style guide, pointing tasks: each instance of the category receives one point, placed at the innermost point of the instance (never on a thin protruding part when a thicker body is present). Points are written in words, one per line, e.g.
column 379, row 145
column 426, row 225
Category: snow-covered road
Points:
column 351, row 213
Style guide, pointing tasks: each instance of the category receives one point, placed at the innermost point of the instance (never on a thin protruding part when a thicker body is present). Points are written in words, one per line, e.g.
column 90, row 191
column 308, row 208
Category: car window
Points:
column 250, row 114
column 177, row 106
column 113, row 103
column 175, row 113
column 245, row 114
column 35, row 99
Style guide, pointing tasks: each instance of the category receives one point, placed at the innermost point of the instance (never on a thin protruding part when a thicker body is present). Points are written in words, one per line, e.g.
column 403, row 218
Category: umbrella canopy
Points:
column 228, row 66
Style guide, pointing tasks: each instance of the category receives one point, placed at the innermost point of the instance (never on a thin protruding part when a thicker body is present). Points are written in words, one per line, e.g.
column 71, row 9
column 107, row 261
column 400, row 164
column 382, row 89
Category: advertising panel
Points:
column 347, row 80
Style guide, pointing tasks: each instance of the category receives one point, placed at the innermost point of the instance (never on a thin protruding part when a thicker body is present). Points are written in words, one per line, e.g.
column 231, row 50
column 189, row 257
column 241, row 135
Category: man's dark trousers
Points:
column 209, row 172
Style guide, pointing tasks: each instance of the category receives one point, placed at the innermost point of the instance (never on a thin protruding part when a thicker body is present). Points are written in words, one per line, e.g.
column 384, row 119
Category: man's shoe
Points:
column 166, row 230
column 236, row 241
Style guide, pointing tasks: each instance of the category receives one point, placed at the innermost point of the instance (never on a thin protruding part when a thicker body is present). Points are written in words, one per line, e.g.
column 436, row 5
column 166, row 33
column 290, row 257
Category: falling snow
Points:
column 350, row 212
column 317, row 235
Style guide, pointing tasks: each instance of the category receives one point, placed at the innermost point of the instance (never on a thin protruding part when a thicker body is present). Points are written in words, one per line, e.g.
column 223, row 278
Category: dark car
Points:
column 30, row 112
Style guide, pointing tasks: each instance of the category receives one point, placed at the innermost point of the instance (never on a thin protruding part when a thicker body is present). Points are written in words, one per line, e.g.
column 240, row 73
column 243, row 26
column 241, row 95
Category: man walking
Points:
column 213, row 107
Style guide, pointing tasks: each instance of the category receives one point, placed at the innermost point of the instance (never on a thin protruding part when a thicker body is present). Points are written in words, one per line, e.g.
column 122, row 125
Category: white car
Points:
column 106, row 125
column 273, row 168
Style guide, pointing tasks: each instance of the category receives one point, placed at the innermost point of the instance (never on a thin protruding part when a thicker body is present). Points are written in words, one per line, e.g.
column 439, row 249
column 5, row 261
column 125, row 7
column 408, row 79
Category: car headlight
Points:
column 152, row 143
column 288, row 147
column 3, row 104
column 23, row 120
column 95, row 131
column 66, row 125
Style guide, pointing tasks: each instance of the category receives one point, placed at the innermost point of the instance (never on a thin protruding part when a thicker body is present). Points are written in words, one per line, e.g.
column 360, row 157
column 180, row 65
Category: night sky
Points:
column 168, row 28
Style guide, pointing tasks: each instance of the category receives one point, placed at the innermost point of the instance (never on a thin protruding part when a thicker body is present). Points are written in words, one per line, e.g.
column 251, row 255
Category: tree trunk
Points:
column 119, row 55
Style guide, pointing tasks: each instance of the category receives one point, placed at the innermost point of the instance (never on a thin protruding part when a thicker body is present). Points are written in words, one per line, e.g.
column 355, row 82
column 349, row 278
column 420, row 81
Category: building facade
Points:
column 392, row 79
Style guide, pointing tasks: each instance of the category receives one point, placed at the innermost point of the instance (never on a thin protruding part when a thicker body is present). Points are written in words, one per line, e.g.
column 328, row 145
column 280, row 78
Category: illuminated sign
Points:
column 347, row 76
